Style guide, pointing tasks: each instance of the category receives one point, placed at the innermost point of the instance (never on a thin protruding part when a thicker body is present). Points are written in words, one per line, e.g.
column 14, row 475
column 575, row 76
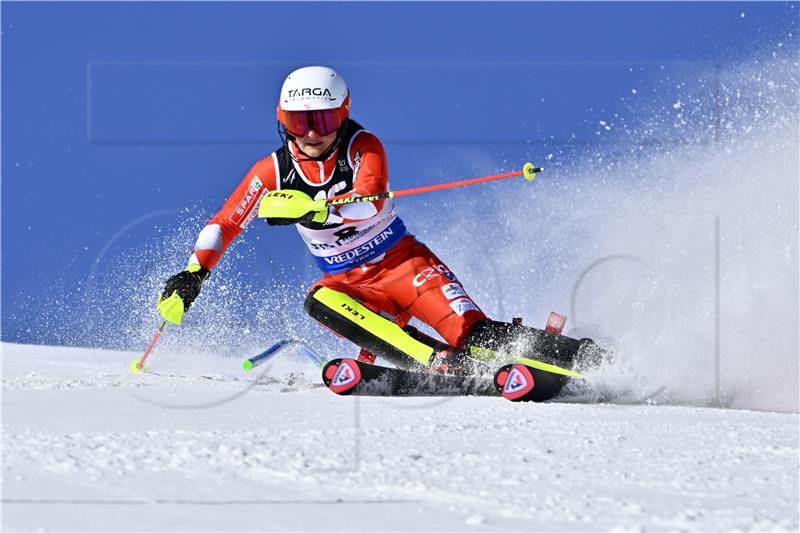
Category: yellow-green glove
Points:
column 180, row 291
column 291, row 207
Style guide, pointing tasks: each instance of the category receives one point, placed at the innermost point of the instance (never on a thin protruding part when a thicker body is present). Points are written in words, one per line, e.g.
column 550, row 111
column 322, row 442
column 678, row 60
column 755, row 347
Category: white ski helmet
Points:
column 313, row 98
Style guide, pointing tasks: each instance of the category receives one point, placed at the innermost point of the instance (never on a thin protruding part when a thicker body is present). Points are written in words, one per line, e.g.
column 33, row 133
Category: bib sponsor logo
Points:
column 322, row 246
column 247, row 203
column 462, row 305
column 515, row 382
column 453, row 290
column 345, row 234
column 357, row 247
column 365, row 248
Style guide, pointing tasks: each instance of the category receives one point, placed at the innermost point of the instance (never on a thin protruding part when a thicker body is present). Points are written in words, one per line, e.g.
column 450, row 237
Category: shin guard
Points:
column 369, row 330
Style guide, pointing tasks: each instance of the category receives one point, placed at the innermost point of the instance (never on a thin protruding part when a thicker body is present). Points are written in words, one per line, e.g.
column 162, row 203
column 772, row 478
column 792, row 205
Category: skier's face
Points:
column 313, row 144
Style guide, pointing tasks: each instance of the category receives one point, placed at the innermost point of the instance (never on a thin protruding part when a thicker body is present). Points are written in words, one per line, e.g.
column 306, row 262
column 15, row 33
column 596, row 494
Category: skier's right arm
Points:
column 236, row 214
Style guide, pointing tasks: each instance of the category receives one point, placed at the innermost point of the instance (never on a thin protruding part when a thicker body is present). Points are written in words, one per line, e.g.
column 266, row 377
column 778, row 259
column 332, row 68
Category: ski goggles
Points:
column 323, row 121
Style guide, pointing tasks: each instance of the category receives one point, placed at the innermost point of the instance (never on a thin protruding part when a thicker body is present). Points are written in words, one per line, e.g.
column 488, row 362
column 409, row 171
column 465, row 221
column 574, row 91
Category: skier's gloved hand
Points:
column 180, row 291
column 288, row 206
column 317, row 217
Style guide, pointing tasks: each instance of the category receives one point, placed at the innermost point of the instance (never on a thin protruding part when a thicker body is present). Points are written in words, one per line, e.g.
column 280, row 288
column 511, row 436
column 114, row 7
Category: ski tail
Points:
column 342, row 376
column 523, row 383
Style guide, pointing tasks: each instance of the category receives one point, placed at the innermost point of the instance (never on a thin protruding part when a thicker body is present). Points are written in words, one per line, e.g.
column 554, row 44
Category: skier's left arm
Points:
column 370, row 176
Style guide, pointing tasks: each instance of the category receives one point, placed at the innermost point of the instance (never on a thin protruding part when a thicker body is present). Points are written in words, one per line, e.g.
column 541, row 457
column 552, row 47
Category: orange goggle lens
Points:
column 323, row 121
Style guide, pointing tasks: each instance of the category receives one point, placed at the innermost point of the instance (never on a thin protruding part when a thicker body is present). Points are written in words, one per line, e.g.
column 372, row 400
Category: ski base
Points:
column 353, row 377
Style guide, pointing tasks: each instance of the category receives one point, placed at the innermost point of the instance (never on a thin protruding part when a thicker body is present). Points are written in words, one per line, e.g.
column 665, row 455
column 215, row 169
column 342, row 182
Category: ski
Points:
column 531, row 381
column 352, row 377
column 550, row 361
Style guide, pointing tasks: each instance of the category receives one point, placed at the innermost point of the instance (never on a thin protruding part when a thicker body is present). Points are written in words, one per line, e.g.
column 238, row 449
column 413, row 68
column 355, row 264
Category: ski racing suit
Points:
column 375, row 275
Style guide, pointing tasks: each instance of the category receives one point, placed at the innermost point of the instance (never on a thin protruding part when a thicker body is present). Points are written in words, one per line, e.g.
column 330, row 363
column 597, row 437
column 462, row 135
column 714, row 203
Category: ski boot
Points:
column 457, row 361
column 365, row 356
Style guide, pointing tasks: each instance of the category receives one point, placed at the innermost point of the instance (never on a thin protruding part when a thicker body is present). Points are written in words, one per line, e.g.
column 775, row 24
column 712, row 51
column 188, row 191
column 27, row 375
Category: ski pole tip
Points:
column 529, row 170
column 247, row 365
column 136, row 367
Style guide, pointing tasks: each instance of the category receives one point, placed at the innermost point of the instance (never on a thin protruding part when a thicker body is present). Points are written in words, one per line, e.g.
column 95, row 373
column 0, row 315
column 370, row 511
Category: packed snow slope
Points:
column 88, row 447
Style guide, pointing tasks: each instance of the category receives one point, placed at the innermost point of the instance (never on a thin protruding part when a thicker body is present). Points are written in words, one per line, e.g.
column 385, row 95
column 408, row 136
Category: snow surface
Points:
column 89, row 447
column 683, row 257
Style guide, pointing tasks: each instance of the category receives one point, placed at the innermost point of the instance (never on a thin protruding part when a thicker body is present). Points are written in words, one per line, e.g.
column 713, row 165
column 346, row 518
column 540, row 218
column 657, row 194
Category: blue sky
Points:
column 125, row 125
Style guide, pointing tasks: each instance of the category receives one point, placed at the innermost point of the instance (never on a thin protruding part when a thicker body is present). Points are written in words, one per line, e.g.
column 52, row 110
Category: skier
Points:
column 375, row 274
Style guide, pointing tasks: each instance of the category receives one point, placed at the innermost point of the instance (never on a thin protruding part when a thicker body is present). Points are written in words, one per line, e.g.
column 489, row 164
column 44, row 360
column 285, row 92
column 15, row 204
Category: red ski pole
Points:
column 529, row 170
column 138, row 364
